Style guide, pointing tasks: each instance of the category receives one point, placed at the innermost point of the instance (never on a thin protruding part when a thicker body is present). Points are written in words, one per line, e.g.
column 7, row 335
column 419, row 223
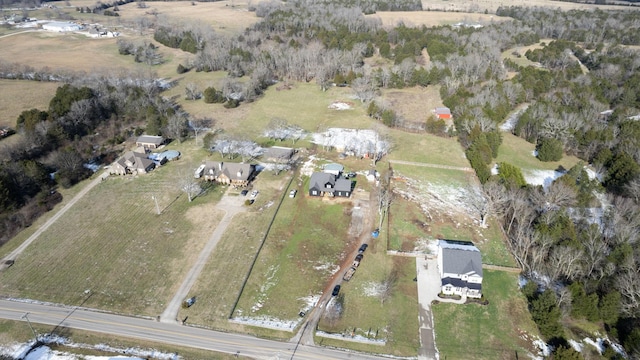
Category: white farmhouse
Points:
column 460, row 266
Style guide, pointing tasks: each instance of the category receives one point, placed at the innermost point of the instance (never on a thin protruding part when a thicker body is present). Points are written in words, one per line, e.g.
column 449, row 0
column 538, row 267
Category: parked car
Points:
column 363, row 247
column 359, row 257
column 254, row 193
column 293, row 193
column 350, row 175
column 336, row 290
column 244, row 192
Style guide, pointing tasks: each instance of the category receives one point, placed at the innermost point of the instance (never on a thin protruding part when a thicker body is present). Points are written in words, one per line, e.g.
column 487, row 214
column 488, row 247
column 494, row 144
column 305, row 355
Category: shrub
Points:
column 232, row 103
column 549, row 150
column 182, row 69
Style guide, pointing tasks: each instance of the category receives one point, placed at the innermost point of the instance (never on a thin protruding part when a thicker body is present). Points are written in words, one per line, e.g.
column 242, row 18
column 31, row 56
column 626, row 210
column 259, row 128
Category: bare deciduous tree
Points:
column 200, row 124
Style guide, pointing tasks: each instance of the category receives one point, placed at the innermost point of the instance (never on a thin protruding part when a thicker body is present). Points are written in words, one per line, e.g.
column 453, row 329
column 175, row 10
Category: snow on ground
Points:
column 267, row 322
column 356, row 338
column 327, row 267
column 512, row 120
column 494, row 169
column 43, row 352
column 309, row 166
column 577, row 346
column 355, row 142
column 541, row 177
column 340, row 105
column 594, row 175
column 372, row 289
column 544, row 349
column 598, row 344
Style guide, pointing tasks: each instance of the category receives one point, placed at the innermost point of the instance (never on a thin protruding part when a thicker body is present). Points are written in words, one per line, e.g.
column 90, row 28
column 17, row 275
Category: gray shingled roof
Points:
column 460, row 257
column 150, row 139
column 230, row 170
column 319, row 179
column 343, row 184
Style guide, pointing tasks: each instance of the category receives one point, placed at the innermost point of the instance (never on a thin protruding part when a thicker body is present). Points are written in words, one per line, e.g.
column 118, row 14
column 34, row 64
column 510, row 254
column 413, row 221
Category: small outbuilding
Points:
column 278, row 155
column 149, row 141
column 333, row 168
column 442, row 112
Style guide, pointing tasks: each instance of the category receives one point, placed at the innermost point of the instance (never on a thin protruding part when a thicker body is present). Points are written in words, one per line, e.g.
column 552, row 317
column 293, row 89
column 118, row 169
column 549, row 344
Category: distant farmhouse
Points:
column 460, row 266
column 132, row 163
column 149, row 141
column 235, row 174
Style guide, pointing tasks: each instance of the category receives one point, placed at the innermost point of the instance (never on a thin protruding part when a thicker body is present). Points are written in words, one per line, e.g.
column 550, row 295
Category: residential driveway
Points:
column 428, row 289
column 231, row 205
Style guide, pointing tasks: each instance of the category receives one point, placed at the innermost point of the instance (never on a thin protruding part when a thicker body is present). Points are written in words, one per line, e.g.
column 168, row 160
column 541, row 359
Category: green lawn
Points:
column 427, row 148
column 366, row 314
column 114, row 244
column 493, row 331
column 519, row 152
column 305, row 243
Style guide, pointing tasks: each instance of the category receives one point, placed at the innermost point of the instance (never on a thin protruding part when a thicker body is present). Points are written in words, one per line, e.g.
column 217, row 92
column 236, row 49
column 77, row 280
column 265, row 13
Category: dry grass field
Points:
column 414, row 104
column 433, row 18
column 490, row 6
column 20, row 95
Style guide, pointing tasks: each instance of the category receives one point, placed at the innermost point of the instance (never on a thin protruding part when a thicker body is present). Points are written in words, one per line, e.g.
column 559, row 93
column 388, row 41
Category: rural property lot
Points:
column 20, row 95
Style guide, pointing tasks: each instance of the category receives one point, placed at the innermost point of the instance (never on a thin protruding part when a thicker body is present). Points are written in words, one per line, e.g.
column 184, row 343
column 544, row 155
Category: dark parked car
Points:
column 359, row 257
column 336, row 290
column 244, row 192
column 363, row 247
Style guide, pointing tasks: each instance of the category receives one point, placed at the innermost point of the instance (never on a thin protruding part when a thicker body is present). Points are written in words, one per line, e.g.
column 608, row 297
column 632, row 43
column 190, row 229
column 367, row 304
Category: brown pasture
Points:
column 433, row 18
column 490, row 6
column 20, row 95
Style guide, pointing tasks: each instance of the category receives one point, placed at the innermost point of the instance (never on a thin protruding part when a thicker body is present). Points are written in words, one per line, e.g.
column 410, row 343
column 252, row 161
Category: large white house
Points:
column 460, row 266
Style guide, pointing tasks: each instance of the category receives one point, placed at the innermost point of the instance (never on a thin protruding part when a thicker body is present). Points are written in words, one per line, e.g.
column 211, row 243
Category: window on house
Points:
column 314, row 192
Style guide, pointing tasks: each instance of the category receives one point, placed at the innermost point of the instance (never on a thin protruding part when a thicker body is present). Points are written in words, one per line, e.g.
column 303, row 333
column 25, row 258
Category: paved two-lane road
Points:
column 167, row 333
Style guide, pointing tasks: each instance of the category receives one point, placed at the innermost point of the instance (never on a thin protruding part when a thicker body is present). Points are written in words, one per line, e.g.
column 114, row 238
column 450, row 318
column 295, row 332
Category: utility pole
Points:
column 26, row 316
column 156, row 201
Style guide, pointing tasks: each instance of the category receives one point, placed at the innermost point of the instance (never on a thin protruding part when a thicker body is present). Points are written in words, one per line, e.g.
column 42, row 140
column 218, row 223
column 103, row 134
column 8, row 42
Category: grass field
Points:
column 297, row 258
column 19, row 332
column 114, row 244
column 490, row 6
column 410, row 227
column 519, row 152
column 366, row 315
column 493, row 331
column 433, row 18
column 413, row 104
column 20, row 95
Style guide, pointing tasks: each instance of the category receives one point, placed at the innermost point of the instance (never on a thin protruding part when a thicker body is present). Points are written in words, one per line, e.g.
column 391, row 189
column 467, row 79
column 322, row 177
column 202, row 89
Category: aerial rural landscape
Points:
column 371, row 179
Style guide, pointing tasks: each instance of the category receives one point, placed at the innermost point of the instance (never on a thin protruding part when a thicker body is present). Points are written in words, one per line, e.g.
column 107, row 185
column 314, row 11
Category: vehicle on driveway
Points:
column 359, row 257
column 244, row 192
column 293, row 193
column 363, row 247
column 336, row 290
column 254, row 193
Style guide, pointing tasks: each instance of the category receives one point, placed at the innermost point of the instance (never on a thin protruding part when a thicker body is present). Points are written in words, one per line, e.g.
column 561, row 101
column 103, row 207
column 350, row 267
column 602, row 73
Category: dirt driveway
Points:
column 428, row 289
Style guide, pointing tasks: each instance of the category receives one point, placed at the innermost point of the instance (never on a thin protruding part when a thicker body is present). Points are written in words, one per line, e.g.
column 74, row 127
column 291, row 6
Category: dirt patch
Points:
column 413, row 104
column 341, row 105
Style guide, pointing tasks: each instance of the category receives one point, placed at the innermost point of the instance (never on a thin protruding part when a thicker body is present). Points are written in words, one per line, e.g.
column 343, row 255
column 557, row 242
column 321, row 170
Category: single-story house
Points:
column 442, row 112
column 460, row 266
column 132, row 163
column 235, row 174
column 325, row 183
column 149, row 141
column 278, row 154
column 333, row 168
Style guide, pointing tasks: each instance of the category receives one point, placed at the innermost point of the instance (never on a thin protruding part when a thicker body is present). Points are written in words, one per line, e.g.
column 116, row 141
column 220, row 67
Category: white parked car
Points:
column 292, row 193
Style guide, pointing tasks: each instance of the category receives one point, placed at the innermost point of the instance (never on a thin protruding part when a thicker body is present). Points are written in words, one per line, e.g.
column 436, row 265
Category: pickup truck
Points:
column 349, row 274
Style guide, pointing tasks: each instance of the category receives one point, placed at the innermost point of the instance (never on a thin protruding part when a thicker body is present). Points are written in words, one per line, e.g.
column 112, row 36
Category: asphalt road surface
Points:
column 167, row 333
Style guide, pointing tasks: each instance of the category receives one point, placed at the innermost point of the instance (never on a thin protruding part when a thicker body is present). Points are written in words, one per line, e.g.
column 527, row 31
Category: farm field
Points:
column 490, row 6
column 493, row 331
column 133, row 267
column 20, row 95
column 414, row 104
column 371, row 313
column 434, row 18
column 426, row 148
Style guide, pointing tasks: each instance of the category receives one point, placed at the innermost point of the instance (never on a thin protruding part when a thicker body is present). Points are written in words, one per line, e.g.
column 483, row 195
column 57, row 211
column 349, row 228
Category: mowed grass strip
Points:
column 306, row 242
column 368, row 314
column 519, row 152
column 114, row 244
column 492, row 331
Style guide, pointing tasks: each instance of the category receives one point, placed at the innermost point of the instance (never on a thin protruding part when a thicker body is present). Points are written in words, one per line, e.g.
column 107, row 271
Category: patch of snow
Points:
column 340, row 105
column 541, row 177
column 494, row 169
column 543, row 347
column 267, row 322
column 308, row 167
column 328, row 267
column 512, row 120
column 372, row 289
column 356, row 142
column 594, row 175
column 534, row 153
column 356, row 338
column 577, row 346
column 598, row 344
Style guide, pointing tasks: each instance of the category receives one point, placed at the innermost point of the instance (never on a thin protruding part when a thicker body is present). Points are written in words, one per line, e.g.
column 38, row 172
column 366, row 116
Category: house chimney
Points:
column 220, row 166
column 239, row 174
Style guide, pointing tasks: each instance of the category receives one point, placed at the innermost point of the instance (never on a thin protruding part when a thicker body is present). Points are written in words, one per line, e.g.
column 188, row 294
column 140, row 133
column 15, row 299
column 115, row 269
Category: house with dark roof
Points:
column 460, row 266
column 322, row 183
column 149, row 141
column 235, row 174
column 132, row 163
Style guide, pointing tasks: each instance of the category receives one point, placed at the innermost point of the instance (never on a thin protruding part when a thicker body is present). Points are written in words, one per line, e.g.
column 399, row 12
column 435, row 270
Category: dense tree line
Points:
column 84, row 119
